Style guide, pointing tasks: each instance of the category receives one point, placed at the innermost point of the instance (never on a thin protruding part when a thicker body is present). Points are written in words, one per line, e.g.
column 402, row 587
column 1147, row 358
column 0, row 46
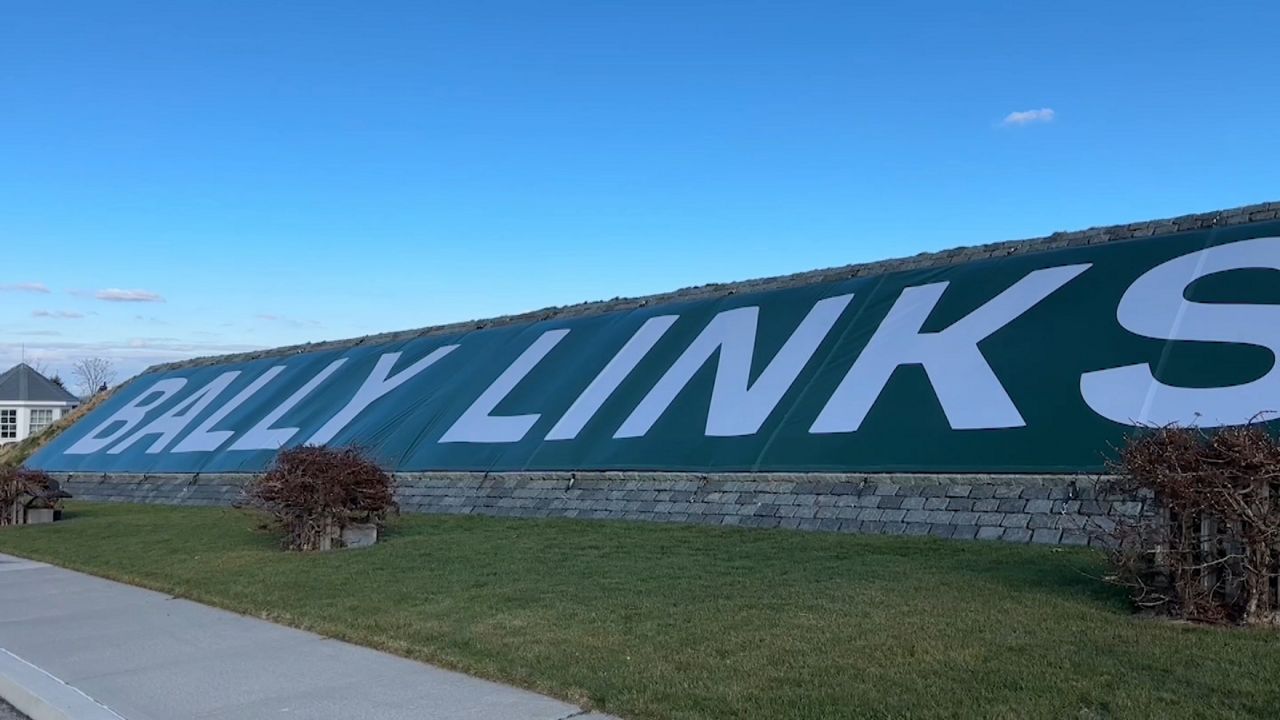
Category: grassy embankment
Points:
column 664, row 621
column 17, row 453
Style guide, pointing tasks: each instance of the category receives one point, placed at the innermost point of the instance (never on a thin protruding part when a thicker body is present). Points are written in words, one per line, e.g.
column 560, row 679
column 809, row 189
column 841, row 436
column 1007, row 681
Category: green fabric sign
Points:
column 1028, row 363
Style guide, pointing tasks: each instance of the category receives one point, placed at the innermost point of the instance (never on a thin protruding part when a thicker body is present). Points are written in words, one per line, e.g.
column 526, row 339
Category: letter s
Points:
column 1155, row 307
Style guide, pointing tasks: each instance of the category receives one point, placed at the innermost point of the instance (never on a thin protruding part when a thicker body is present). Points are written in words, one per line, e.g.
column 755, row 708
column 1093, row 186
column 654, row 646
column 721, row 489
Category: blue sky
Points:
column 199, row 177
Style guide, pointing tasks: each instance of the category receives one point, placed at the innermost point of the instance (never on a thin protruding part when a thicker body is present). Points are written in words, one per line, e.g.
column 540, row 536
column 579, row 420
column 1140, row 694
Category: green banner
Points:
column 1027, row 363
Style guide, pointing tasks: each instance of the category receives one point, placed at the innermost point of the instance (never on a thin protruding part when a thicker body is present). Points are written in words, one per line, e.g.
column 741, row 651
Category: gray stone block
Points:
column 981, row 492
column 988, row 505
column 990, row 533
column 917, row 528
column 1101, row 523
column 896, row 515
column 1072, row 522
column 993, row 518
column 965, row 532
column 1074, row 537
column 1015, row 534
column 1046, row 536
column 942, row 530
column 1042, row 521
column 1039, row 506
column 1015, row 520
column 1012, row 506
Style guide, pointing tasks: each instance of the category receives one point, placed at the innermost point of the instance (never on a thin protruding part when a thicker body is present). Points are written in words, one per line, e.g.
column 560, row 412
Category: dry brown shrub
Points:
column 314, row 492
column 19, row 484
column 1209, row 547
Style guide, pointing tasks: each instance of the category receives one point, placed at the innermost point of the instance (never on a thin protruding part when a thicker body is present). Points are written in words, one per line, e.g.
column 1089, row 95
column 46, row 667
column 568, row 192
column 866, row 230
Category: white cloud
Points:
column 1027, row 117
column 57, row 314
column 118, row 295
column 272, row 318
column 130, row 355
column 29, row 287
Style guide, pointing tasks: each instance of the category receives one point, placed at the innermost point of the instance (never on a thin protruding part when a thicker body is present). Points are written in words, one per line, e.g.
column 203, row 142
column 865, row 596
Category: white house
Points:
column 29, row 403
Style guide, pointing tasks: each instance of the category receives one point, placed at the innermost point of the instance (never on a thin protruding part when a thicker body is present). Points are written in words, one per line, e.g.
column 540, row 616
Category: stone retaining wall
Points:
column 1050, row 509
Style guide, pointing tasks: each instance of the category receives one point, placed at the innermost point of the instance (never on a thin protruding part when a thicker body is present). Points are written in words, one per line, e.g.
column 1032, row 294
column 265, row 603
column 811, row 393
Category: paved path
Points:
column 8, row 713
column 141, row 655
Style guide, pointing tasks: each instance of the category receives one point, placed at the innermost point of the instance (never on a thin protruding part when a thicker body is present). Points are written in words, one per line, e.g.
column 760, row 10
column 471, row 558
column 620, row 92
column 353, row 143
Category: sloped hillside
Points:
column 16, row 454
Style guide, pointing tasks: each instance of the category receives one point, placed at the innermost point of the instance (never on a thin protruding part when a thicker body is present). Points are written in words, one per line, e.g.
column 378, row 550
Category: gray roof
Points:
column 24, row 384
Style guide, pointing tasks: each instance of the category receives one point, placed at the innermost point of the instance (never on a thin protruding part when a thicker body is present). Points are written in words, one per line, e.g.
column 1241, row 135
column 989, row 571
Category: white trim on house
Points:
column 29, row 399
column 22, row 413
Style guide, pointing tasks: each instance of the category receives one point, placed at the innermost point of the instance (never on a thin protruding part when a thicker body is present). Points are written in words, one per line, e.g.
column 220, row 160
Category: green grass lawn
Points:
column 670, row 621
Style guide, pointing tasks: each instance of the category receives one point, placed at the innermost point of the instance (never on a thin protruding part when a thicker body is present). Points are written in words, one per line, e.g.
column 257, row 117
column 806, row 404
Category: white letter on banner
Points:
column 374, row 387
column 264, row 437
column 589, row 402
column 1155, row 307
column 969, row 391
column 176, row 419
column 737, row 407
column 476, row 424
column 130, row 415
column 204, row 438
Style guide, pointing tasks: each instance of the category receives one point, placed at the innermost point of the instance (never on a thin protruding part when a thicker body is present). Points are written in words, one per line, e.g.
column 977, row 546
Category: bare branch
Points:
column 1204, row 548
column 93, row 375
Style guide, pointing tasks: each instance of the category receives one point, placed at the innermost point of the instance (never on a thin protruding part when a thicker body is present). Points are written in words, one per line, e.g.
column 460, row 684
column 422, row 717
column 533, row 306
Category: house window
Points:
column 8, row 424
column 41, row 418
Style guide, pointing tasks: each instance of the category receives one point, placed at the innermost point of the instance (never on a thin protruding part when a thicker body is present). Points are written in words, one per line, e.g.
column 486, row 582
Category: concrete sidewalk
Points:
column 92, row 649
